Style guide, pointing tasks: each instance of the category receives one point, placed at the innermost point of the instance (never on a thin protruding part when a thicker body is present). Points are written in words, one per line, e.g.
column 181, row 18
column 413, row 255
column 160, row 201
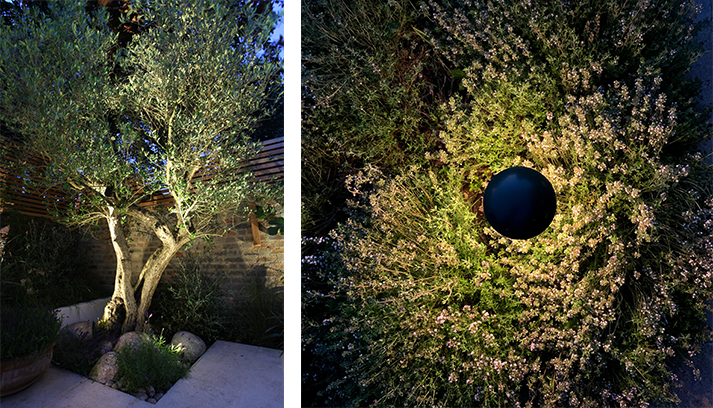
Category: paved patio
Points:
column 228, row 375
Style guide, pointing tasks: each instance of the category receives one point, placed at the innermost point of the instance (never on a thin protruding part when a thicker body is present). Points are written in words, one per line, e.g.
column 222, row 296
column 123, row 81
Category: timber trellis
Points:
column 268, row 165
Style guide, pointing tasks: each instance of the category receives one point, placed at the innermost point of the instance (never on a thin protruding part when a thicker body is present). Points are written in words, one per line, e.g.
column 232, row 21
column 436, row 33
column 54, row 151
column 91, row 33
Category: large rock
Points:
column 107, row 346
column 105, row 369
column 78, row 329
column 131, row 338
column 192, row 345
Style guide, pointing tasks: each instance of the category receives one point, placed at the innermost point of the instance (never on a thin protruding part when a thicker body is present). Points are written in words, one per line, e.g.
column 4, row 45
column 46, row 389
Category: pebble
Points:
column 149, row 394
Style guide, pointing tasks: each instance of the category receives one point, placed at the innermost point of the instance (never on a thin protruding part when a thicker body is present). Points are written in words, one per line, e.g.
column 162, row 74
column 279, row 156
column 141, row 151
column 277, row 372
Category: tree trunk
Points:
column 123, row 297
column 152, row 271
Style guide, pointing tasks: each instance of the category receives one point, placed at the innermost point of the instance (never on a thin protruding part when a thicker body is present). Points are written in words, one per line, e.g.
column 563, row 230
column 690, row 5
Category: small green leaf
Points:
column 457, row 73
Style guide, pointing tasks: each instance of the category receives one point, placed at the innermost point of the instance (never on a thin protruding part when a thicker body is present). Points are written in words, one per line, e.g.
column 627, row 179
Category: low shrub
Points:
column 429, row 306
column 371, row 88
column 193, row 302
column 80, row 353
column 27, row 330
column 151, row 363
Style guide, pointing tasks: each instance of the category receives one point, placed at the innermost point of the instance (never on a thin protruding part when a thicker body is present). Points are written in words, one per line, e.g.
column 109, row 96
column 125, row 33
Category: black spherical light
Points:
column 519, row 202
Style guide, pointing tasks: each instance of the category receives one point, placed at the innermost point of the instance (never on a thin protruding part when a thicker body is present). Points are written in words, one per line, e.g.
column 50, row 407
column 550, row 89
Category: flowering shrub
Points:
column 434, row 307
column 370, row 79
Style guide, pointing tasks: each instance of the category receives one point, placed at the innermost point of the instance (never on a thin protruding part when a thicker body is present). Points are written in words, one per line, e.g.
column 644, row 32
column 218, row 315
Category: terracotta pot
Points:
column 23, row 372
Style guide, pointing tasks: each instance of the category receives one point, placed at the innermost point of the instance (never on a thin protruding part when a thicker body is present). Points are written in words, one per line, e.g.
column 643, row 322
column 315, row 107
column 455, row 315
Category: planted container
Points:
column 27, row 342
column 20, row 373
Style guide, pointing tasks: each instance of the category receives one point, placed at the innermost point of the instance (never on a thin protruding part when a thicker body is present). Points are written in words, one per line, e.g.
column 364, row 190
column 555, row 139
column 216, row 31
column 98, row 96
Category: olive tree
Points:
column 117, row 121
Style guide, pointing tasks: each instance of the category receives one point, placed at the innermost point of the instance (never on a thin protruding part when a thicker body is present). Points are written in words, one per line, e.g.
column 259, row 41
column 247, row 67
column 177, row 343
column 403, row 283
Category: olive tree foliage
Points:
column 173, row 109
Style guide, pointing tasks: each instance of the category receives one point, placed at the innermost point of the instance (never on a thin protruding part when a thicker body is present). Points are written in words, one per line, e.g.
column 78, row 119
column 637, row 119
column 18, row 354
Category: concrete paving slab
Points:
column 53, row 383
column 91, row 394
column 60, row 388
column 231, row 375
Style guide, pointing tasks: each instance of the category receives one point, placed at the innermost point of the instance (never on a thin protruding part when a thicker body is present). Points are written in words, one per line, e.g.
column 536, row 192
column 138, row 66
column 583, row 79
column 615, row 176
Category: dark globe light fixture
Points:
column 519, row 202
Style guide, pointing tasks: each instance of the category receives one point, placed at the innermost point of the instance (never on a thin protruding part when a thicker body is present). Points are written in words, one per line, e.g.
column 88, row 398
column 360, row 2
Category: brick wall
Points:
column 233, row 257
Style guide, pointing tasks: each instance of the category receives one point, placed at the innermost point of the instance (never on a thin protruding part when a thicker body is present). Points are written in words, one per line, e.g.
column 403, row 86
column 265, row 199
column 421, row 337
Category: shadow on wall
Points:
column 260, row 307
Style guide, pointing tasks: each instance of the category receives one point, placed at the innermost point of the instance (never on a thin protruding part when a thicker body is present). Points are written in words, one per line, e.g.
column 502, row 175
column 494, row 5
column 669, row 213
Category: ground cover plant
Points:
column 151, row 363
column 148, row 363
column 428, row 305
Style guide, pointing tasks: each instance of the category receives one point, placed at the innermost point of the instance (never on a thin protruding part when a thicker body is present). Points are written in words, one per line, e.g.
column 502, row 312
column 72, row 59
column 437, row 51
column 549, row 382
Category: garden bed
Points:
column 144, row 365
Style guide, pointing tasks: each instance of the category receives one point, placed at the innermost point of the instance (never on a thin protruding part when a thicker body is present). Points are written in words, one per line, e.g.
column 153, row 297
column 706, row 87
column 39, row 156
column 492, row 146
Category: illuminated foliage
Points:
column 173, row 108
column 429, row 306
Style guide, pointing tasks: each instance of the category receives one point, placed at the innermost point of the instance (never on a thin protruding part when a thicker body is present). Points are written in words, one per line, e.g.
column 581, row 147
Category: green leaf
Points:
column 457, row 73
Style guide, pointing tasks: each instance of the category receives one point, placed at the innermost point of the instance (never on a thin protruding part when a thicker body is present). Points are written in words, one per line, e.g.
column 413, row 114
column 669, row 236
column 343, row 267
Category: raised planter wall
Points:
column 92, row 310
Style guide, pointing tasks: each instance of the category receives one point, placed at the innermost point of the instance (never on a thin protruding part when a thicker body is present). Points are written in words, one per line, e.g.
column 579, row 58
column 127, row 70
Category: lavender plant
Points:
column 79, row 353
column 436, row 308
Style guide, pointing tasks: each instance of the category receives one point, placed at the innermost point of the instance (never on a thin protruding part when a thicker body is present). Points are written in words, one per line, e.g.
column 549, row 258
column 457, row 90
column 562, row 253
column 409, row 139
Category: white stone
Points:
column 130, row 338
column 192, row 345
column 105, row 369
column 107, row 346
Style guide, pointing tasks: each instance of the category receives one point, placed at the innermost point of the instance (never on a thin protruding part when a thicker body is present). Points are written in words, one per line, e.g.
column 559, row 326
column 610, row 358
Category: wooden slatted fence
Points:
column 268, row 165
